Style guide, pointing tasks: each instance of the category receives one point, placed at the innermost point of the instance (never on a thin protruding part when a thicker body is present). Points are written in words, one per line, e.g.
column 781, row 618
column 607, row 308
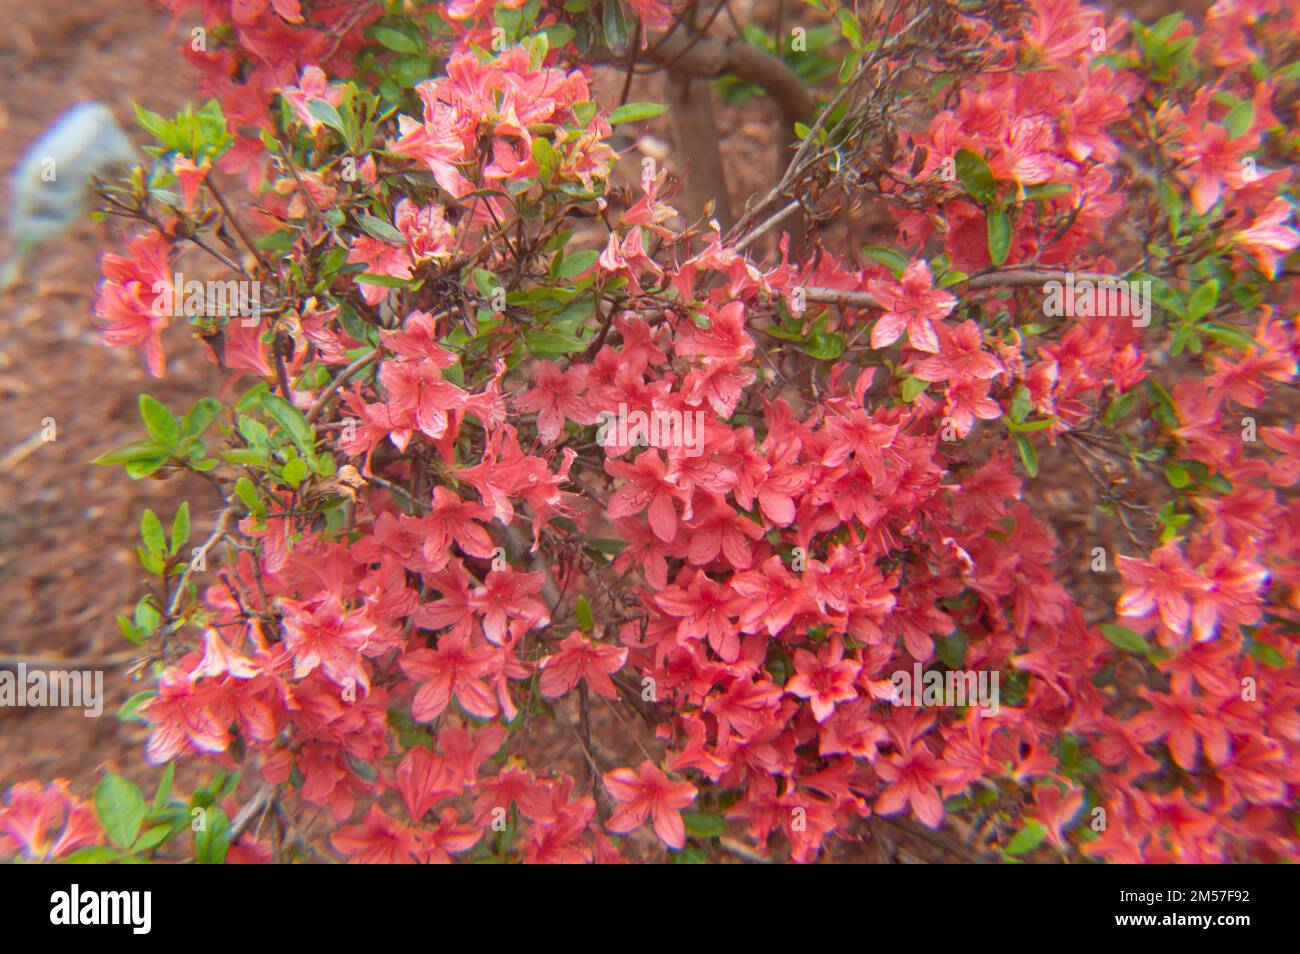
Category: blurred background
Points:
column 68, row 529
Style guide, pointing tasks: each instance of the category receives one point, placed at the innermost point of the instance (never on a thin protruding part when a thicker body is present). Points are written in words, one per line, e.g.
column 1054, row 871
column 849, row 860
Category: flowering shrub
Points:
column 508, row 448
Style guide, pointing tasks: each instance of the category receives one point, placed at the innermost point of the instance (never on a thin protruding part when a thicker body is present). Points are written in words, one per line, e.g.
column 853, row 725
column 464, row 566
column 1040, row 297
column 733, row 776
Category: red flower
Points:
column 826, row 678
column 45, row 823
column 1163, row 583
column 555, row 396
column 911, row 304
column 377, row 840
column 579, row 658
column 452, row 669
column 912, row 776
column 648, row 792
column 136, row 299
column 648, row 486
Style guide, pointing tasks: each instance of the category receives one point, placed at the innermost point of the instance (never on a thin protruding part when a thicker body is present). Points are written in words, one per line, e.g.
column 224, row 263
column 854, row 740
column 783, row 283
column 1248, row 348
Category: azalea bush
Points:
column 561, row 525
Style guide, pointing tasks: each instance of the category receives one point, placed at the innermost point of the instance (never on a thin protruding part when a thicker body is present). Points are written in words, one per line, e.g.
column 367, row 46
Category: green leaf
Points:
column 1163, row 295
column 180, row 527
column 1267, row 655
column 952, row 649
column 548, row 342
column 887, row 257
column 1203, row 300
column 635, row 112
column 295, row 472
column 131, row 631
column 162, row 424
column 247, row 493
column 384, row 231
column 558, row 36
column 1230, row 337
column 1027, row 839
column 294, row 424
column 136, row 469
column 1125, row 638
column 213, row 841
column 1177, row 475
column 577, row 263
column 545, row 157
column 704, row 824
column 1239, row 119
column 1029, row 426
column 1164, row 27
column 976, row 176
column 120, row 808
column 388, row 281
column 146, row 614
column 586, row 621
column 164, row 786
column 1028, row 456
column 134, row 451
column 1048, row 190
column 395, row 40
column 151, row 839
column 151, row 532
column 911, row 387
column 200, row 417
column 999, row 229
column 325, row 112
column 149, row 121
column 615, row 25
column 127, row 711
column 825, row 346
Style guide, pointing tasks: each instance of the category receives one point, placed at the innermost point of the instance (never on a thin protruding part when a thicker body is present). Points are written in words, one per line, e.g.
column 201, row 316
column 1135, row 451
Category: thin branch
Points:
column 230, row 217
column 1013, row 277
column 200, row 554
column 342, row 378
column 252, row 809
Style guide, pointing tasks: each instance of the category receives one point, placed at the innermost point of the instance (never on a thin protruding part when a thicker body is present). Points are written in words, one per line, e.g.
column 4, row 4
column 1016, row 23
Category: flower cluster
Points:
column 825, row 477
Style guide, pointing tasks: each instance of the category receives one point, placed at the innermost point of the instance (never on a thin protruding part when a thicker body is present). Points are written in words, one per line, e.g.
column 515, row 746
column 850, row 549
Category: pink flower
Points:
column 648, row 486
column 191, row 177
column 1268, row 240
column 910, row 304
column 428, row 233
column 912, row 776
column 440, row 141
column 648, row 792
column 45, row 824
column 451, row 669
column 825, row 679
column 380, row 258
column 655, row 15
column 1163, row 583
column 312, row 85
column 136, row 299
column 579, row 658
column 556, row 395
column 324, row 634
column 378, row 839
